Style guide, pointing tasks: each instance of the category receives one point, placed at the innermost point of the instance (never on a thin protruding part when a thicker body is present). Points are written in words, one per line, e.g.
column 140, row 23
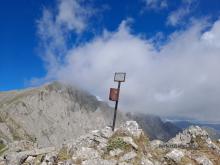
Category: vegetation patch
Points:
column 3, row 148
column 64, row 154
column 117, row 142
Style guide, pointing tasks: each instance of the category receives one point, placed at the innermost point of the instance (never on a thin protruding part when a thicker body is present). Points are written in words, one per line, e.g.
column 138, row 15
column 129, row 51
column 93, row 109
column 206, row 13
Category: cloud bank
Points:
column 181, row 79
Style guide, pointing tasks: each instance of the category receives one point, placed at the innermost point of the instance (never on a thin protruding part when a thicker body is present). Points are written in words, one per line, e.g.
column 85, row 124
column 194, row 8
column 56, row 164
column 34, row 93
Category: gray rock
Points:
column 124, row 163
column 50, row 157
column 145, row 161
column 203, row 160
column 14, row 158
column 18, row 146
column 156, row 143
column 115, row 152
column 30, row 159
column 99, row 162
column 175, row 155
column 107, row 132
column 132, row 128
column 213, row 146
column 128, row 156
column 130, row 141
column 188, row 136
column 87, row 153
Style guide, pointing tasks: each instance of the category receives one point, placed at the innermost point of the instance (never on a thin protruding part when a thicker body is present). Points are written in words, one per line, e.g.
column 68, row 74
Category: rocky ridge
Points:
column 51, row 114
column 56, row 112
column 127, row 145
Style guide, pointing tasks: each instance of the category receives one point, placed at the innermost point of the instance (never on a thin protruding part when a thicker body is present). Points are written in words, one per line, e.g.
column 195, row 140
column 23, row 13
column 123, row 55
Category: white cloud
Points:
column 156, row 4
column 72, row 15
column 180, row 80
column 176, row 17
column 54, row 28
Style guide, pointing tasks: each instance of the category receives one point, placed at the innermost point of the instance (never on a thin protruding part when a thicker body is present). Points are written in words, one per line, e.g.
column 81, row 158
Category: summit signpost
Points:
column 114, row 93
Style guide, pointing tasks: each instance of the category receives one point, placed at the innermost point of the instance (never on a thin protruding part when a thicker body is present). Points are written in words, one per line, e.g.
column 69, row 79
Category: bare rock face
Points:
column 51, row 114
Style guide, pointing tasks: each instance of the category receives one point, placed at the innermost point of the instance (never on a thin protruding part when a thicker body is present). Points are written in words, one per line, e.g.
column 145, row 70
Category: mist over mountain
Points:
column 184, row 124
column 57, row 112
column 51, row 113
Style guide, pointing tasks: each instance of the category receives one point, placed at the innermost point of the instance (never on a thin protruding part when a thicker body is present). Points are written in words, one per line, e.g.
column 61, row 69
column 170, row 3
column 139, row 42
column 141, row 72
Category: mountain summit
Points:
column 51, row 114
column 127, row 145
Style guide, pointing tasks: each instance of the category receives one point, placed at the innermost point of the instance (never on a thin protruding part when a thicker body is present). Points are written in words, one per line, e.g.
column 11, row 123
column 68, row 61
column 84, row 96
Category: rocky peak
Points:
column 51, row 114
column 190, row 135
column 127, row 145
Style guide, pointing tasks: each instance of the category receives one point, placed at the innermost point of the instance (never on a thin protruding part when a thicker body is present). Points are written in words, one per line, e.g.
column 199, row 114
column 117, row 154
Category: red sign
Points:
column 113, row 96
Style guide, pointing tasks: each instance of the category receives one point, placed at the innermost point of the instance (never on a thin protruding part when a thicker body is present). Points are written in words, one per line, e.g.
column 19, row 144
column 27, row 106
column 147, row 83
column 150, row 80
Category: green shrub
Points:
column 115, row 143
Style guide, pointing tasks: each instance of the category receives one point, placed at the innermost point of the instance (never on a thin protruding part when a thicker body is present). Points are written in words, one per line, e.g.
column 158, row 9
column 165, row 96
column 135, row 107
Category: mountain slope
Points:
column 51, row 114
column 56, row 112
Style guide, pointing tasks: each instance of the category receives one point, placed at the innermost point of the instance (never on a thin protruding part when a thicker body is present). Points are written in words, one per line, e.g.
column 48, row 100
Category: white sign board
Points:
column 119, row 77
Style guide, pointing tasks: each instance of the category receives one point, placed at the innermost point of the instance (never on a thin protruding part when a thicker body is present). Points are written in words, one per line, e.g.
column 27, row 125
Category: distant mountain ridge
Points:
column 154, row 126
column 184, row 124
column 212, row 129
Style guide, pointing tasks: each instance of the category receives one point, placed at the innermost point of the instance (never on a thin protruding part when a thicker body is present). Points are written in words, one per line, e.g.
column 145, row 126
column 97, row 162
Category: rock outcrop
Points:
column 127, row 145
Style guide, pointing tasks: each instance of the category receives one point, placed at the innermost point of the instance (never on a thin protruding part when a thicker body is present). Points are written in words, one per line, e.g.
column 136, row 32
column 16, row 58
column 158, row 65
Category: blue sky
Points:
column 19, row 54
column 169, row 49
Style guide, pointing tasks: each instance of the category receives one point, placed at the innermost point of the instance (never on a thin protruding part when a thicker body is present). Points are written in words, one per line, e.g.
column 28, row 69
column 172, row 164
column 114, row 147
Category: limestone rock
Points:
column 30, row 159
column 156, row 143
column 128, row 156
column 130, row 141
column 124, row 163
column 188, row 136
column 22, row 145
column 115, row 152
column 203, row 160
column 175, row 155
column 99, row 162
column 87, row 153
column 132, row 128
column 146, row 161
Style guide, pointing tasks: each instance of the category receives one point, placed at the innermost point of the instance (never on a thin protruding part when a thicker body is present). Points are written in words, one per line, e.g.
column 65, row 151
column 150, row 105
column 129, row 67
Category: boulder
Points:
column 146, row 161
column 128, row 156
column 175, row 155
column 130, row 141
column 131, row 128
column 203, row 160
column 115, row 152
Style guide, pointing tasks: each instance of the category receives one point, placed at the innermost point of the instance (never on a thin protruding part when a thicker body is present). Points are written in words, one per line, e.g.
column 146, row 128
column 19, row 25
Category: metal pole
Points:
column 116, row 106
